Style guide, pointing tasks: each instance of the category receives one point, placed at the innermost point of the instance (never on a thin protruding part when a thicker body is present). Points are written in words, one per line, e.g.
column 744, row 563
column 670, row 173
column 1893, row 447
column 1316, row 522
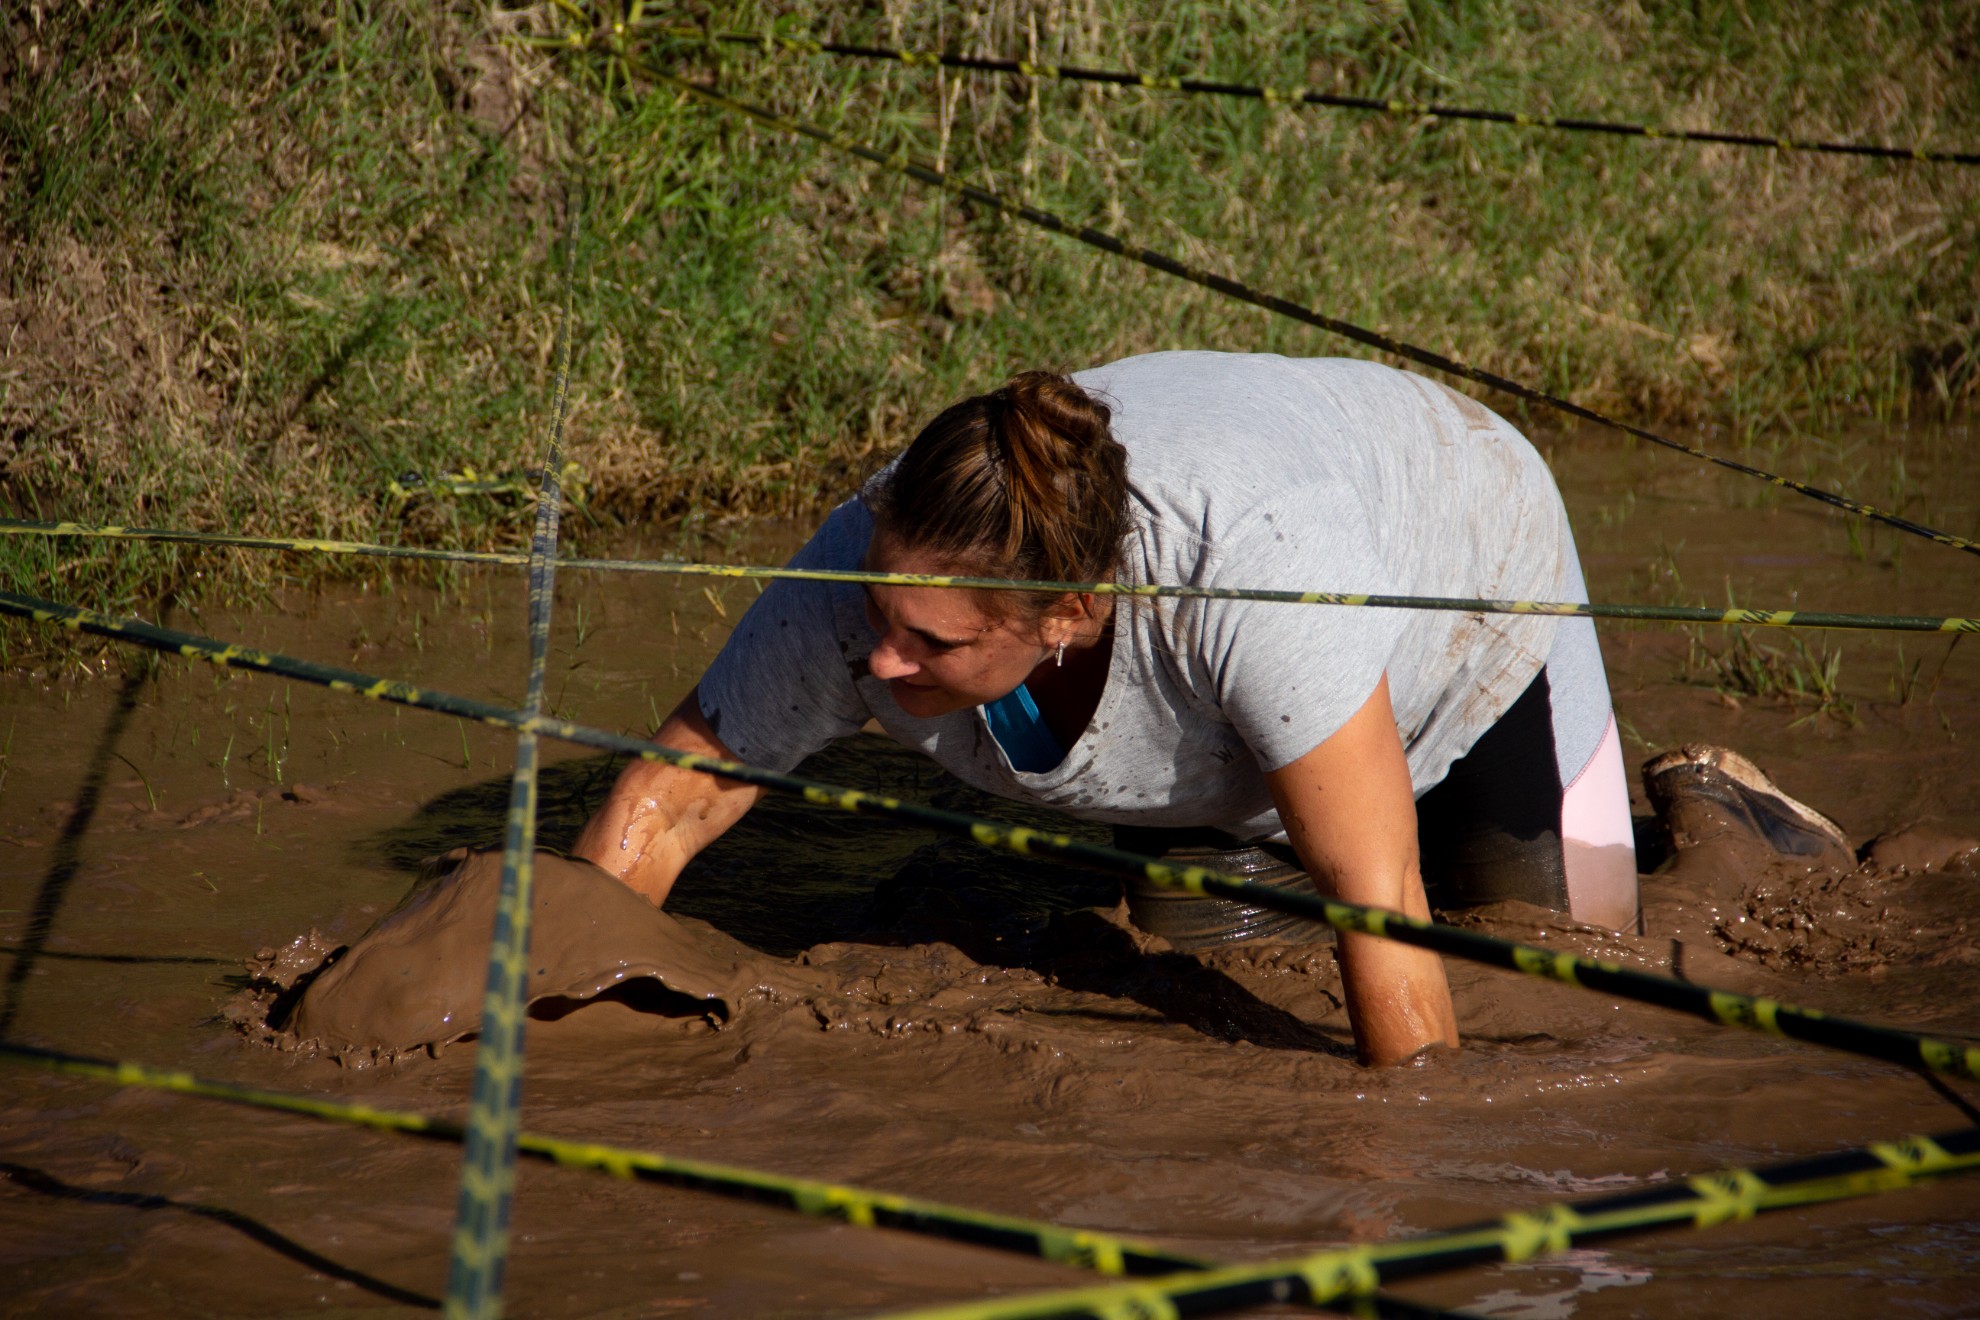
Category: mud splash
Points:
column 416, row 979
column 1913, row 901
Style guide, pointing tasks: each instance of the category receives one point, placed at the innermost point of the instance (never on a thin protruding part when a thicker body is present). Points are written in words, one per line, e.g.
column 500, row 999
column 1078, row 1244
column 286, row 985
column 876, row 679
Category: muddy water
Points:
column 924, row 1020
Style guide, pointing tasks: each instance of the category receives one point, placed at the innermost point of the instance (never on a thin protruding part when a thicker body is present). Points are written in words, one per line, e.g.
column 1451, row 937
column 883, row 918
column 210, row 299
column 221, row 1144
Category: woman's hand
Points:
column 659, row 816
column 1348, row 807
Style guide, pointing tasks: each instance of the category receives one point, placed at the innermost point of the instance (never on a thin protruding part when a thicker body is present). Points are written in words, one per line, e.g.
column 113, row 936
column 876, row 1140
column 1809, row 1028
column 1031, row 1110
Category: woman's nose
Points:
column 887, row 662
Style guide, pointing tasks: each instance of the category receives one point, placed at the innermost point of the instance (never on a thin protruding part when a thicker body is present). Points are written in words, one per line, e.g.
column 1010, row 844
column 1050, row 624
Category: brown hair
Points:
column 1026, row 481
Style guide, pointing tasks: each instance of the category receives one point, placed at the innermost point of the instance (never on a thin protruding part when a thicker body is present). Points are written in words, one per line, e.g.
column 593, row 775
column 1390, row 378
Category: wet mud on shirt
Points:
column 1245, row 471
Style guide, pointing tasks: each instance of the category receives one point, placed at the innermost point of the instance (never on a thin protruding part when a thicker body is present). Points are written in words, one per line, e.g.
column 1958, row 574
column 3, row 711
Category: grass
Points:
column 1794, row 673
column 260, row 260
column 1738, row 664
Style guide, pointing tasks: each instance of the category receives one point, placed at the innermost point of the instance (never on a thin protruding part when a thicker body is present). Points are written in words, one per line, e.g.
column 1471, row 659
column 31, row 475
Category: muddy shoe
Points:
column 1703, row 793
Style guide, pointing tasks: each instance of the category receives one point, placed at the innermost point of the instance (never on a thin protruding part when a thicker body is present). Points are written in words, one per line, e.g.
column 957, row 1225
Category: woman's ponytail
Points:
column 1026, row 481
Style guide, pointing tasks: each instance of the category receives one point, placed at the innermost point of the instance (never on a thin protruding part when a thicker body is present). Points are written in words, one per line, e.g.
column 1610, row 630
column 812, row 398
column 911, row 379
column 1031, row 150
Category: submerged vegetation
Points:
column 259, row 261
column 1793, row 672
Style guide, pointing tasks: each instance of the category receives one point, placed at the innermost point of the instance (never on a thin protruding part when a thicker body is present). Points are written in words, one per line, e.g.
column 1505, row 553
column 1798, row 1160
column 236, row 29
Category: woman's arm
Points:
column 659, row 816
column 1348, row 807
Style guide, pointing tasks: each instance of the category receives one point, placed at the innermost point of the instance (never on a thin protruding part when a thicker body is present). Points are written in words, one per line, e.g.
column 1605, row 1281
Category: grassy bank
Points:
column 259, row 260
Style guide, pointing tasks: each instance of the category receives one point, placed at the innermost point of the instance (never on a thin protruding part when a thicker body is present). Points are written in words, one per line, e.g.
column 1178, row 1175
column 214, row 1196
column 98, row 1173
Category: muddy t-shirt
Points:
column 1245, row 471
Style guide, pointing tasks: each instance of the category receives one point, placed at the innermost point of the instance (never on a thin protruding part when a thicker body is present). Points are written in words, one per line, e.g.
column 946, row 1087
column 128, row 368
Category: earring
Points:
column 1062, row 655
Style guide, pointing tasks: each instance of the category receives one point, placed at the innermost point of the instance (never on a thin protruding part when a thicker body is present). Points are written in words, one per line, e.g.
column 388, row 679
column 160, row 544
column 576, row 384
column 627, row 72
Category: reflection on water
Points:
column 1590, row 1271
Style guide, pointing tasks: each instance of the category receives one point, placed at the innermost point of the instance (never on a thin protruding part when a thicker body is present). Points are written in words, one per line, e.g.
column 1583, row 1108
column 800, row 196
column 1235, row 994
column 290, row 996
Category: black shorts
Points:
column 1490, row 831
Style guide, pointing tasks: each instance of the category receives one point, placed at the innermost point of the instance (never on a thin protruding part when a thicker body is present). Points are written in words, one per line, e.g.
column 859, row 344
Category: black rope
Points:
column 770, row 42
column 479, row 1254
column 1724, row 1007
column 1737, row 616
column 900, row 162
column 1702, row 1201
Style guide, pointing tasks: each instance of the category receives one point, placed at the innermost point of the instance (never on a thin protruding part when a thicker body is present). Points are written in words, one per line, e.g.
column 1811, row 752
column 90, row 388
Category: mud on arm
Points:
column 1348, row 807
column 657, row 817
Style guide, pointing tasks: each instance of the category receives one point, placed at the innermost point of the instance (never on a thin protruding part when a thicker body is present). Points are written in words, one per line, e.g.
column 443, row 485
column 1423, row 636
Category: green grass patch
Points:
column 259, row 260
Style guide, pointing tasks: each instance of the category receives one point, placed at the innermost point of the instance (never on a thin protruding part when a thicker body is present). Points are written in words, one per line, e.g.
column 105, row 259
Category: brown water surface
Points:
column 924, row 1019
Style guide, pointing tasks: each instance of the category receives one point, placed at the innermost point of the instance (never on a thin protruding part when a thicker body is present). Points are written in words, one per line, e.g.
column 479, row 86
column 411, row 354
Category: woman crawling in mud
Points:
column 1401, row 759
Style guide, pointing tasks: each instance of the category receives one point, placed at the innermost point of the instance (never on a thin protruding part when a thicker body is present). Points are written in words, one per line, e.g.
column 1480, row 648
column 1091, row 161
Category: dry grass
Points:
column 258, row 263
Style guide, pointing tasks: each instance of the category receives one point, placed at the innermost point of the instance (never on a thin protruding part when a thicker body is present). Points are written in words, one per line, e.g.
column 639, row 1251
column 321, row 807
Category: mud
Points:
column 831, row 997
column 416, row 979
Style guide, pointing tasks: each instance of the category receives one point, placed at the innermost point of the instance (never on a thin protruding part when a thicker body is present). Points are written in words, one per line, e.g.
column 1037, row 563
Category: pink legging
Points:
column 1538, row 809
column 1598, row 843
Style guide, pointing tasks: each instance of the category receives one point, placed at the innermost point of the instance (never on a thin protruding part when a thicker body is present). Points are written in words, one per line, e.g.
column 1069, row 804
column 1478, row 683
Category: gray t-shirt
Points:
column 1246, row 471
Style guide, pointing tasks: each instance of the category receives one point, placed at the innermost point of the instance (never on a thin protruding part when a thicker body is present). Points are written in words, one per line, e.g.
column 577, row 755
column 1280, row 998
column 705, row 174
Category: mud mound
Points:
column 416, row 979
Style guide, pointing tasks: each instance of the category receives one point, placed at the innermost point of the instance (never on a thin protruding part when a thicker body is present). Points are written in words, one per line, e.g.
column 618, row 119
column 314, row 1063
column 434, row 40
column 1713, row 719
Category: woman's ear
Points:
column 1063, row 618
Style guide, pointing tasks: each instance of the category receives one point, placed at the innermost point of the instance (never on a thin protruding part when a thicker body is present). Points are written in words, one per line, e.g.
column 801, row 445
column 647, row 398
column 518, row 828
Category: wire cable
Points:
column 1734, row 615
column 1723, row 1007
column 770, row 43
column 480, row 1248
column 901, row 163
column 1704, row 1201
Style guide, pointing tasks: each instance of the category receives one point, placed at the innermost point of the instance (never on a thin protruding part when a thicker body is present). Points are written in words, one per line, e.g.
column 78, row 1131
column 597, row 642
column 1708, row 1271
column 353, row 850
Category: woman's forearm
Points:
column 632, row 834
column 1398, row 999
column 658, row 817
column 1347, row 805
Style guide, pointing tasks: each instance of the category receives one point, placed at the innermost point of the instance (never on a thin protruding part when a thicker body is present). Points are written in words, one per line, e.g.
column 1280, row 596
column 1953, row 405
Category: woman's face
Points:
column 940, row 650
